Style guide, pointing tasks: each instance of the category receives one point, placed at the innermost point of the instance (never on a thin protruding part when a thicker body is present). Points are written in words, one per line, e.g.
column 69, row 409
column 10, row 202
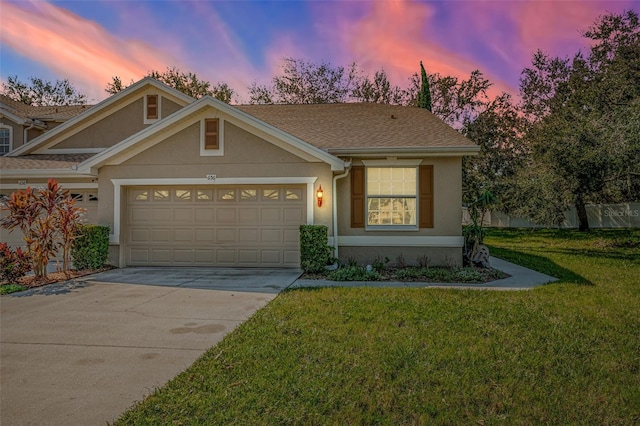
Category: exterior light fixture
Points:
column 319, row 195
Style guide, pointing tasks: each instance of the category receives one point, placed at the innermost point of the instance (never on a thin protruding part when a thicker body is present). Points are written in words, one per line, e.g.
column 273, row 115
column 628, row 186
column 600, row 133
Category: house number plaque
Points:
column 211, row 178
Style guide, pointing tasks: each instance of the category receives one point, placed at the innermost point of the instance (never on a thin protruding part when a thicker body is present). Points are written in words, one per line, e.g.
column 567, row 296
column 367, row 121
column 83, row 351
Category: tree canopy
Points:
column 39, row 92
column 185, row 82
column 584, row 116
column 304, row 82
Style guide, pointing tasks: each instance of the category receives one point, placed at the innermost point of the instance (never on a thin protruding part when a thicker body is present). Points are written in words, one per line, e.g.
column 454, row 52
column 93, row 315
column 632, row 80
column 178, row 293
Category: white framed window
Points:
column 152, row 108
column 392, row 197
column 6, row 139
column 212, row 137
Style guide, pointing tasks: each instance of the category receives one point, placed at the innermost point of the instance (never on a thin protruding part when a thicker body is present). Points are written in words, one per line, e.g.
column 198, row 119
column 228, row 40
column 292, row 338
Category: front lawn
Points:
column 564, row 353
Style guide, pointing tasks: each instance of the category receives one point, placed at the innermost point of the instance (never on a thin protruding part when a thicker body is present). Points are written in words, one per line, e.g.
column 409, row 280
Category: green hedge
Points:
column 90, row 248
column 315, row 254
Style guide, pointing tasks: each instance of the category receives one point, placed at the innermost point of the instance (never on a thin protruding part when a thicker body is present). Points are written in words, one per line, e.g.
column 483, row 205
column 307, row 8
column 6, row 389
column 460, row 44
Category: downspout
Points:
column 335, row 207
column 26, row 131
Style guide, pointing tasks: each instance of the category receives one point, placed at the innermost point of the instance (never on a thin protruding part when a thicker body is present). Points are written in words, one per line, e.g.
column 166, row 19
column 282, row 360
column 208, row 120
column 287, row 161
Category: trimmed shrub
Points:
column 315, row 254
column 90, row 248
column 14, row 264
column 354, row 273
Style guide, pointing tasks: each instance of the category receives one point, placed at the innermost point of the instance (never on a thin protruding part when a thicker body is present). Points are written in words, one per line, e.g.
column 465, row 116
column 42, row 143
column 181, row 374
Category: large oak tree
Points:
column 584, row 116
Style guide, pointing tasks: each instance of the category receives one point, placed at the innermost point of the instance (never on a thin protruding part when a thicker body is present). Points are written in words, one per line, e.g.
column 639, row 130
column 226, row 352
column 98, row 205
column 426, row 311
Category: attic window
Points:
column 212, row 137
column 151, row 108
column 211, row 140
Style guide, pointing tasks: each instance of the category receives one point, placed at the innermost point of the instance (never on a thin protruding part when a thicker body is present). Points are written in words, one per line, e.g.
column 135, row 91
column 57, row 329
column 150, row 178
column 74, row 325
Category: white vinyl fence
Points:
column 624, row 215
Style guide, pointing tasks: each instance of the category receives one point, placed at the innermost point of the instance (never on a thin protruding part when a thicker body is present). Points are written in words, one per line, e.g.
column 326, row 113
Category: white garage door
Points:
column 246, row 225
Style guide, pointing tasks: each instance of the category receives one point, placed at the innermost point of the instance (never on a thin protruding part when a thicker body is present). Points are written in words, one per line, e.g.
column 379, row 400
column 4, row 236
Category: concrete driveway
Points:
column 84, row 351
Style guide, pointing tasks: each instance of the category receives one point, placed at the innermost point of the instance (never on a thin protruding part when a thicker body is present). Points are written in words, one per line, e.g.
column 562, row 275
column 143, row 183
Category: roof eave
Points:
column 456, row 151
column 43, row 173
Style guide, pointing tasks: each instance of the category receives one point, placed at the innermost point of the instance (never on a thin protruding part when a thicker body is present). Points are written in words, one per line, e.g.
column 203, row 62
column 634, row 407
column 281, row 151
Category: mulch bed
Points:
column 389, row 274
column 30, row 281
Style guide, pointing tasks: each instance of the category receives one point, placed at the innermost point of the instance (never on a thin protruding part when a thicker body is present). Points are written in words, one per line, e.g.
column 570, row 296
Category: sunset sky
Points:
column 239, row 42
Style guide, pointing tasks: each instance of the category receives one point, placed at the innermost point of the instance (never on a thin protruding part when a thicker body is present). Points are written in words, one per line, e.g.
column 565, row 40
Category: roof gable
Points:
column 197, row 110
column 41, row 144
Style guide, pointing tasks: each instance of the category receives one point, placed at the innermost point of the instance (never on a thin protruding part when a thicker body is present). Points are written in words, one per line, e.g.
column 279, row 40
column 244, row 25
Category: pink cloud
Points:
column 395, row 35
column 515, row 30
column 75, row 48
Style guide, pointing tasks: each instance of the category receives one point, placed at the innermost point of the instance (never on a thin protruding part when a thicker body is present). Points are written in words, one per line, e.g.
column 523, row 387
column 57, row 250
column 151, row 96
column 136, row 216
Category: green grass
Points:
column 564, row 353
column 11, row 288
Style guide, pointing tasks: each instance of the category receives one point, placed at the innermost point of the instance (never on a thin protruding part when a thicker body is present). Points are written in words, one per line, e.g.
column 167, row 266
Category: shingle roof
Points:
column 336, row 127
column 42, row 161
column 43, row 113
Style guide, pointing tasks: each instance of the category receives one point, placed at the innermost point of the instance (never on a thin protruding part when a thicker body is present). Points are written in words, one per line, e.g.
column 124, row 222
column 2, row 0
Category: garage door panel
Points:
column 291, row 257
column 293, row 215
column 248, row 257
column 226, row 257
column 271, row 236
column 240, row 225
column 204, row 256
column 226, row 236
column 161, row 255
column 226, row 216
column 204, row 235
column 204, row 215
column 161, row 214
column 250, row 235
column 271, row 215
column 291, row 236
column 139, row 214
column 139, row 235
column 139, row 256
column 161, row 235
column 183, row 256
column 183, row 235
column 183, row 215
column 270, row 257
column 248, row 215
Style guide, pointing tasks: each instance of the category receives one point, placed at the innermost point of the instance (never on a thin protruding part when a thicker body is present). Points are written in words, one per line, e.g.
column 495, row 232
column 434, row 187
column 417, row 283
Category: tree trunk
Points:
column 583, row 220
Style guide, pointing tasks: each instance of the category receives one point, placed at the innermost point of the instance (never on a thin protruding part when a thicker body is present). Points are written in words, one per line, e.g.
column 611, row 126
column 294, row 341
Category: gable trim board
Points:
column 120, row 186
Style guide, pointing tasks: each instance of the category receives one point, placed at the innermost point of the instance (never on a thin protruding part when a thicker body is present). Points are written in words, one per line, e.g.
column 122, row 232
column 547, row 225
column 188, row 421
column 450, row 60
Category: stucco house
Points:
column 20, row 123
column 181, row 181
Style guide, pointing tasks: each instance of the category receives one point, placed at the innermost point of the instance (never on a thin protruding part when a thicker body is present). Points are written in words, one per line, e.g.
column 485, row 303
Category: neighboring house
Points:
column 192, row 182
column 20, row 123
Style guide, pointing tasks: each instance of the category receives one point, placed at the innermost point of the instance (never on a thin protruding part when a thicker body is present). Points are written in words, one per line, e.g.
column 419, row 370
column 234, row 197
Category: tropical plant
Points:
column 47, row 217
column 14, row 264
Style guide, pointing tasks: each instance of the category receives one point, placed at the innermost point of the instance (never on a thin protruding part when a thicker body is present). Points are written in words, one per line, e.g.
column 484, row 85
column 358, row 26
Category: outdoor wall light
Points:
column 319, row 195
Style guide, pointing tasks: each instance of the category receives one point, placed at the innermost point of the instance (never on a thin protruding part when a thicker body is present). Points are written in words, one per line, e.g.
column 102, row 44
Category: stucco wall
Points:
column 108, row 131
column 245, row 155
